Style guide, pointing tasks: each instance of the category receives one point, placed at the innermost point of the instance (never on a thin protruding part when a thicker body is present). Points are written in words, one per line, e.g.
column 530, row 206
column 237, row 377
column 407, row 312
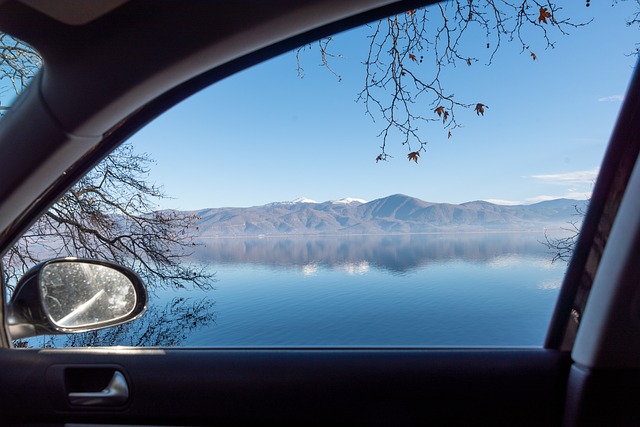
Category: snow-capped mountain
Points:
column 293, row 202
column 393, row 214
column 301, row 200
column 348, row 201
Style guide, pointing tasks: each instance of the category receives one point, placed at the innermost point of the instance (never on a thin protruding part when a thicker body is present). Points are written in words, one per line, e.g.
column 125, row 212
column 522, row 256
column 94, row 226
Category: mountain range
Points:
column 389, row 215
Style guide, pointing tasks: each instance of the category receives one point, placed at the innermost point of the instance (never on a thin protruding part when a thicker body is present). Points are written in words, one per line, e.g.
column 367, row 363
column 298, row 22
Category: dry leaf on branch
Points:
column 480, row 109
column 544, row 14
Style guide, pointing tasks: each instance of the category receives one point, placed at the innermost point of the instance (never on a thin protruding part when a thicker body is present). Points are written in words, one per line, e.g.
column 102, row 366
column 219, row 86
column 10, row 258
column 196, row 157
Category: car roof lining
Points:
column 74, row 12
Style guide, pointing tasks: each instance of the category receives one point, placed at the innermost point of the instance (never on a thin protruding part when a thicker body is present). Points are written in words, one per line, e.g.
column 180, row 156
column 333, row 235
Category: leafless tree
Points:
column 109, row 214
column 561, row 248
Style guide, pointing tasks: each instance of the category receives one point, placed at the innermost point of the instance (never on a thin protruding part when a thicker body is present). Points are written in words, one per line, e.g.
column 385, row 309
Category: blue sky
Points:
column 267, row 135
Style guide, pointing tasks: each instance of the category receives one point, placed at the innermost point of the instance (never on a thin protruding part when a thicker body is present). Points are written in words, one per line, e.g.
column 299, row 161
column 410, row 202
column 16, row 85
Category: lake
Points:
column 444, row 290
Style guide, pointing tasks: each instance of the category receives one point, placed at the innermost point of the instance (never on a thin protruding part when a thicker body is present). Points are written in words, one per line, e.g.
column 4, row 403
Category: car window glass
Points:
column 19, row 63
column 297, row 215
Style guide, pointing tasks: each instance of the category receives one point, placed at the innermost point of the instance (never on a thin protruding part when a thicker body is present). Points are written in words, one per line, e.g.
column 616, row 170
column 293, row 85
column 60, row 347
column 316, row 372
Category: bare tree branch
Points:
column 561, row 248
column 408, row 54
column 325, row 55
column 633, row 21
column 18, row 63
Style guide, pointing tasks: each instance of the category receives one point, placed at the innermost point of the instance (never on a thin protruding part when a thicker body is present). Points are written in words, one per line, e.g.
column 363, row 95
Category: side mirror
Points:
column 71, row 295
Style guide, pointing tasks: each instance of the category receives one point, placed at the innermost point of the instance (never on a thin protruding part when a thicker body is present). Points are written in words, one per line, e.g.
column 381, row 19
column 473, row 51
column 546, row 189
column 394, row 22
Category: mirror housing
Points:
column 71, row 295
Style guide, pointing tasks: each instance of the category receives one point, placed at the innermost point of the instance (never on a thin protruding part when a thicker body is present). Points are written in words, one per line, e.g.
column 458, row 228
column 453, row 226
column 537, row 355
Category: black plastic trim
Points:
column 602, row 397
column 300, row 387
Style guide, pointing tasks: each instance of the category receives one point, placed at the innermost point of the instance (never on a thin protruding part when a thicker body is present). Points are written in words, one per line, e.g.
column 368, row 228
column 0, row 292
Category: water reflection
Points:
column 550, row 285
column 357, row 254
column 310, row 269
column 166, row 324
column 409, row 290
column 356, row 268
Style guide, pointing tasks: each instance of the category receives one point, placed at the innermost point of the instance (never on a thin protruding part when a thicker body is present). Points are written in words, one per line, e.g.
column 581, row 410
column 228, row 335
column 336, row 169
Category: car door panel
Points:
column 312, row 386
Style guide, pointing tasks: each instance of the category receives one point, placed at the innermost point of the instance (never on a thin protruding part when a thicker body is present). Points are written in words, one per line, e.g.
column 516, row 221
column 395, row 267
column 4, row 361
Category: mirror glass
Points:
column 78, row 294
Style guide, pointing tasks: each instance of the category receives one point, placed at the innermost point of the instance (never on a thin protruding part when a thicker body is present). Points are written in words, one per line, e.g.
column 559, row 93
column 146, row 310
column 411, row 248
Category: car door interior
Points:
column 596, row 385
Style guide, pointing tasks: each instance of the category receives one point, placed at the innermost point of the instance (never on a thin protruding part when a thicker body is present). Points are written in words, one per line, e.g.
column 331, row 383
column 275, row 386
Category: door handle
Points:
column 114, row 394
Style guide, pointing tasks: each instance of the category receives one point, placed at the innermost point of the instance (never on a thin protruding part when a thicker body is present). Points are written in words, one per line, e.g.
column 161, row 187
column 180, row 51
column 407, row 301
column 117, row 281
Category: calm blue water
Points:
column 444, row 290
column 419, row 290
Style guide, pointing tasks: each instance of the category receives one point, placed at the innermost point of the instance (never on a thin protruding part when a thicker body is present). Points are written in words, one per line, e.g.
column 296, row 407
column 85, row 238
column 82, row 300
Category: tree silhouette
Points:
column 109, row 214
column 161, row 326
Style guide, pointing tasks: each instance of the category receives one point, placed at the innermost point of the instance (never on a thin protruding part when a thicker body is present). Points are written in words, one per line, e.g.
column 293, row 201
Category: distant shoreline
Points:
column 425, row 233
